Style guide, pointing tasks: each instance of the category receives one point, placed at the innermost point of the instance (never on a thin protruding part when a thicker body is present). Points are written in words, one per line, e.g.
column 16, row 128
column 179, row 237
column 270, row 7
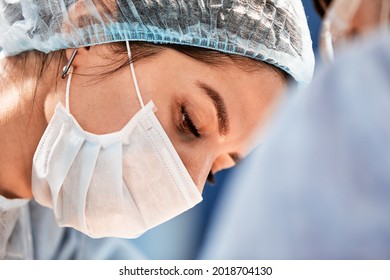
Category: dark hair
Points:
column 142, row 50
column 321, row 6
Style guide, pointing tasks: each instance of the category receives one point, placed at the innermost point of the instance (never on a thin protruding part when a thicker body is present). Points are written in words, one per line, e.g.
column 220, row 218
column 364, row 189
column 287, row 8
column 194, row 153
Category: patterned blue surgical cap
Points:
column 273, row 31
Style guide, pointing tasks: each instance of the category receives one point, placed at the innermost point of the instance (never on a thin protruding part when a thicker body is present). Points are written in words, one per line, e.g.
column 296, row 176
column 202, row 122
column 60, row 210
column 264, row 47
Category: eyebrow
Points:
column 223, row 119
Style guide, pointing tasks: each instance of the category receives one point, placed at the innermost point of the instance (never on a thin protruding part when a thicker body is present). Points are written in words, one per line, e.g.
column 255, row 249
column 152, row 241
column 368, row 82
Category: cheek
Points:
column 196, row 154
column 101, row 107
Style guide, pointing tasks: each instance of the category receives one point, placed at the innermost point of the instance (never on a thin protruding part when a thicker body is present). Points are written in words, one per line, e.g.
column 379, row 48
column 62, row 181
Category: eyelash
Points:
column 186, row 124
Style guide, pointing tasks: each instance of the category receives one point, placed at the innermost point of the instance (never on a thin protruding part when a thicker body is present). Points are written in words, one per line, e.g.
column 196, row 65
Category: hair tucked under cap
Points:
column 273, row 31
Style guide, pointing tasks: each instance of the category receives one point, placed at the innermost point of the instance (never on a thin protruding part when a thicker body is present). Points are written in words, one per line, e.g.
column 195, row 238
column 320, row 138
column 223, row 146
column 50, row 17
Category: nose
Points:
column 221, row 162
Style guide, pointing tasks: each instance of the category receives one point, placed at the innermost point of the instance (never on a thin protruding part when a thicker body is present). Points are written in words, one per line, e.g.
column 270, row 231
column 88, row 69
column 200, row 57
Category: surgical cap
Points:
column 273, row 31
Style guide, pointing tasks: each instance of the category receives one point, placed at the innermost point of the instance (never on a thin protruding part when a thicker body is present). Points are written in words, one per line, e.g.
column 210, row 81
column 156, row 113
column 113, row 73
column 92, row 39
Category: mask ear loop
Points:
column 68, row 89
column 133, row 75
column 68, row 70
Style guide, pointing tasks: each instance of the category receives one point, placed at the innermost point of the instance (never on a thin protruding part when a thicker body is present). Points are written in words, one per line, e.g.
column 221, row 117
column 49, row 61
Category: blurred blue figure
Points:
column 67, row 243
column 319, row 186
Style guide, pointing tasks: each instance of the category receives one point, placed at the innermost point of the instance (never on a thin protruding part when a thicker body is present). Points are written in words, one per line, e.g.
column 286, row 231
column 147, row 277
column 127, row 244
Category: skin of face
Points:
column 367, row 17
column 181, row 88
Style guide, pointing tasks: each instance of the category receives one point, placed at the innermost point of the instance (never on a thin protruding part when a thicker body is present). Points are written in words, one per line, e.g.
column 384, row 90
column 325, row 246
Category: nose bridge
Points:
column 198, row 160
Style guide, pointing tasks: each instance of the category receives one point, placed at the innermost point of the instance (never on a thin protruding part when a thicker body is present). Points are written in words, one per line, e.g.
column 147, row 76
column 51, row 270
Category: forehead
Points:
column 248, row 88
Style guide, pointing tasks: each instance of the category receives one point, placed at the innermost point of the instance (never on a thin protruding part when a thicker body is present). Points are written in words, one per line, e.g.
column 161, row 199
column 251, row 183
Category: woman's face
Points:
column 209, row 112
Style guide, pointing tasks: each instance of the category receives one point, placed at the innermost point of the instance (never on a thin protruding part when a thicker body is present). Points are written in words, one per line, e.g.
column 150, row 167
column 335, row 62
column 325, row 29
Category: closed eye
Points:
column 186, row 125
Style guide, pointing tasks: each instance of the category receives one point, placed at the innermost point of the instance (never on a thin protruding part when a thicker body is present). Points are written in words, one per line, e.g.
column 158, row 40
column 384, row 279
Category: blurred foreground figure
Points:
column 319, row 186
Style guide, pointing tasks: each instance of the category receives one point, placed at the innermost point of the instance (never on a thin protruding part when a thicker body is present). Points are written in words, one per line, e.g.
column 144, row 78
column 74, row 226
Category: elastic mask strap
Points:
column 133, row 75
column 68, row 89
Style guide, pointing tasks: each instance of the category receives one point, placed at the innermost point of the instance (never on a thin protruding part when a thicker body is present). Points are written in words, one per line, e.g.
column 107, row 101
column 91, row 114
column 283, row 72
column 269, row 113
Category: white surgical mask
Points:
column 118, row 184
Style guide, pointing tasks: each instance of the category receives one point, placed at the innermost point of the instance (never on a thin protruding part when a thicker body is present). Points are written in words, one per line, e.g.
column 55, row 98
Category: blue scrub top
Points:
column 29, row 231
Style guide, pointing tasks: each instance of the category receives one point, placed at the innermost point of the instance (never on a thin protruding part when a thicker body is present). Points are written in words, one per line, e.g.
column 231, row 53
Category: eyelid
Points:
column 186, row 123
